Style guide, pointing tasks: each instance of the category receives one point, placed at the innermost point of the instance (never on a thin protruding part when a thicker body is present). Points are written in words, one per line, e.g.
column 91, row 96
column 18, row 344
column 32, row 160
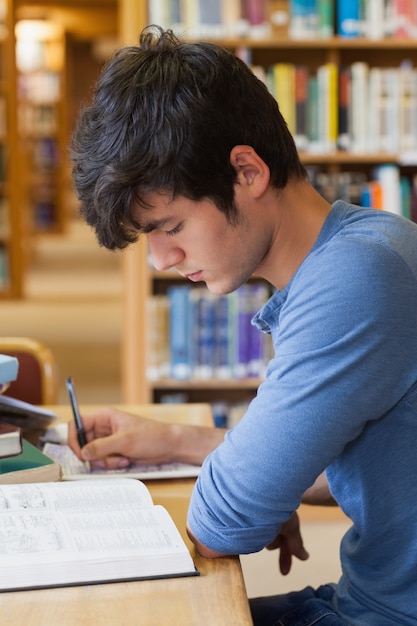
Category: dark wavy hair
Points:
column 164, row 117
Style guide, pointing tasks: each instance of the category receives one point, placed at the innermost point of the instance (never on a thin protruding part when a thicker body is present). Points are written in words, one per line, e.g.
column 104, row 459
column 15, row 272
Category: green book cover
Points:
column 29, row 466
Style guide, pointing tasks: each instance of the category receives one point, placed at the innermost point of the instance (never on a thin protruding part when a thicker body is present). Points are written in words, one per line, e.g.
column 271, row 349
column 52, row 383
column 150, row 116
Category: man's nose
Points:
column 165, row 253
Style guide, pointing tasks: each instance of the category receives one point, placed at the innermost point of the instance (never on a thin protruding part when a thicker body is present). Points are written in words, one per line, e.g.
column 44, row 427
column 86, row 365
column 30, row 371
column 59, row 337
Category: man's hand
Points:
column 115, row 439
column 290, row 543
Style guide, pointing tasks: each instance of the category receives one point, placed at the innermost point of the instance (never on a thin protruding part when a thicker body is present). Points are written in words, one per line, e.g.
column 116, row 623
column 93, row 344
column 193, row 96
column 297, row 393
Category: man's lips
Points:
column 194, row 276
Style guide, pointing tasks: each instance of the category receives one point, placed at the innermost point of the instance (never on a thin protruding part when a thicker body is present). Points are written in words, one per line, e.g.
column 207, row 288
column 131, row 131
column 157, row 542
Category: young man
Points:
column 184, row 145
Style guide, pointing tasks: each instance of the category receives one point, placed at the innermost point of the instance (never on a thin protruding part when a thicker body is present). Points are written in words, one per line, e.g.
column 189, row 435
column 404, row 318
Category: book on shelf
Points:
column 30, row 466
column 388, row 176
column 255, row 12
column 179, row 331
column 348, row 18
column 325, row 18
column 202, row 325
column 279, row 17
column 301, row 99
column 24, row 414
column 327, row 106
column 284, row 90
column 374, row 19
column 359, row 106
column 86, row 532
column 343, row 132
column 303, row 19
column 75, row 469
column 10, row 440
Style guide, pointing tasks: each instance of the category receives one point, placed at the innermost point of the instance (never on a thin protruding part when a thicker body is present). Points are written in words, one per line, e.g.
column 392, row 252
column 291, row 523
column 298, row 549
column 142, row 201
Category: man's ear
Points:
column 251, row 170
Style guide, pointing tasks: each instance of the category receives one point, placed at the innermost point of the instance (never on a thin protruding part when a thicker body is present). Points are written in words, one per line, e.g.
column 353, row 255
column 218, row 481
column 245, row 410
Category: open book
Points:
column 87, row 532
column 74, row 469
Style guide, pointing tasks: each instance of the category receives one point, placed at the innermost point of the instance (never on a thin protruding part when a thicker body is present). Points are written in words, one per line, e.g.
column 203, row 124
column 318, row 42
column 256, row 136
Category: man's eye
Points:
column 174, row 231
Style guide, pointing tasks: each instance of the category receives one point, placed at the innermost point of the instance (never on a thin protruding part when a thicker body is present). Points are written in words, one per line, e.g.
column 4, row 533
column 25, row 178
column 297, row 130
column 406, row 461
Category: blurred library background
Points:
column 344, row 73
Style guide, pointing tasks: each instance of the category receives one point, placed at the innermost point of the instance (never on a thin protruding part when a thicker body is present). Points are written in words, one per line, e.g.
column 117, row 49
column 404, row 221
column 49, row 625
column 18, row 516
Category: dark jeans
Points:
column 298, row 608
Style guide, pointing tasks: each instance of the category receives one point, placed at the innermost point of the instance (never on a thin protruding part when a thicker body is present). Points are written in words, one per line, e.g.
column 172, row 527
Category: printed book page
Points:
column 69, row 533
column 74, row 469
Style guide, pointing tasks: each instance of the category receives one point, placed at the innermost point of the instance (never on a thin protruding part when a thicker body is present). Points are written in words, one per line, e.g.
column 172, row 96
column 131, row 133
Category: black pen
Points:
column 82, row 439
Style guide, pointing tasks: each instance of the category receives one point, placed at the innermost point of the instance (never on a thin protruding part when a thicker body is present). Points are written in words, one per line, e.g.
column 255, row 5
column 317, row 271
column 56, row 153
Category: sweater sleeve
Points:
column 339, row 332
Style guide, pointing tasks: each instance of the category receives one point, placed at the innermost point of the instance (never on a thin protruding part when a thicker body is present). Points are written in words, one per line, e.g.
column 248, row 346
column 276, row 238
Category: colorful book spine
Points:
column 242, row 326
column 301, row 98
column 284, row 92
column 343, row 136
column 359, row 106
column 313, row 115
column 325, row 18
column 388, row 175
column 204, row 338
column 348, row 18
column 255, row 12
column 210, row 18
column 222, row 338
column 179, row 331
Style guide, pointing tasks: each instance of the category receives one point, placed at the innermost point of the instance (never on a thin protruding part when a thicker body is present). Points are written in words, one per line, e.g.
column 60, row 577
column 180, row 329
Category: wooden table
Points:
column 217, row 597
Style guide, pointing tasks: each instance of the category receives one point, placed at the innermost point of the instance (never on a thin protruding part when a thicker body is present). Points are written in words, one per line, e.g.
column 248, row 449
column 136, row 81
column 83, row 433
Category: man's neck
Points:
column 301, row 213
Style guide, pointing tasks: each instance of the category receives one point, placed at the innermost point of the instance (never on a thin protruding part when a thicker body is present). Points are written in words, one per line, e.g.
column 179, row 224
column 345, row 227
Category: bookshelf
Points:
column 40, row 58
column 276, row 45
column 11, row 239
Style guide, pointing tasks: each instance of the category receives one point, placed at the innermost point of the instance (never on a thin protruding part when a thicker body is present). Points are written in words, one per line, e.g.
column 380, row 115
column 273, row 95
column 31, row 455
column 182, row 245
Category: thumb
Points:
column 103, row 453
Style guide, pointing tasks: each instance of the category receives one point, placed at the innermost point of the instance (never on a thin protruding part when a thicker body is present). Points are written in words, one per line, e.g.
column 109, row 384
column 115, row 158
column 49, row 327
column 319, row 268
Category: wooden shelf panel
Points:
column 275, row 43
column 193, row 383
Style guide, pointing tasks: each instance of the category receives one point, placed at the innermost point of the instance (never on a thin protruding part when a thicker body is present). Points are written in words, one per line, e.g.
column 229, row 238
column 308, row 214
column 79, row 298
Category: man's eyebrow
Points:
column 155, row 225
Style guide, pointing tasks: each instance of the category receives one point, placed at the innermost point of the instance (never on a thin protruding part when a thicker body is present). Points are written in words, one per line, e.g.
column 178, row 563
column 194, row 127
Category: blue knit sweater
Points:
column 340, row 395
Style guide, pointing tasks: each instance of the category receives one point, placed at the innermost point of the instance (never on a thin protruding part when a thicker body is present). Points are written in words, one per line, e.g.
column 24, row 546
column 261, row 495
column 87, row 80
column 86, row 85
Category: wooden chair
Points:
column 37, row 377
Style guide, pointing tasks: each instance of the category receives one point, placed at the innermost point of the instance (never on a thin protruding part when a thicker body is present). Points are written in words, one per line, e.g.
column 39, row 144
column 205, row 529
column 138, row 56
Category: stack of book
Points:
column 20, row 461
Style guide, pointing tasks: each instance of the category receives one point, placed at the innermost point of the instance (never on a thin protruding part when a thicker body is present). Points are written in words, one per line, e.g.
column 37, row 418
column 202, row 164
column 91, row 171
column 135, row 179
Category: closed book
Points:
column 31, row 466
column 10, row 440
